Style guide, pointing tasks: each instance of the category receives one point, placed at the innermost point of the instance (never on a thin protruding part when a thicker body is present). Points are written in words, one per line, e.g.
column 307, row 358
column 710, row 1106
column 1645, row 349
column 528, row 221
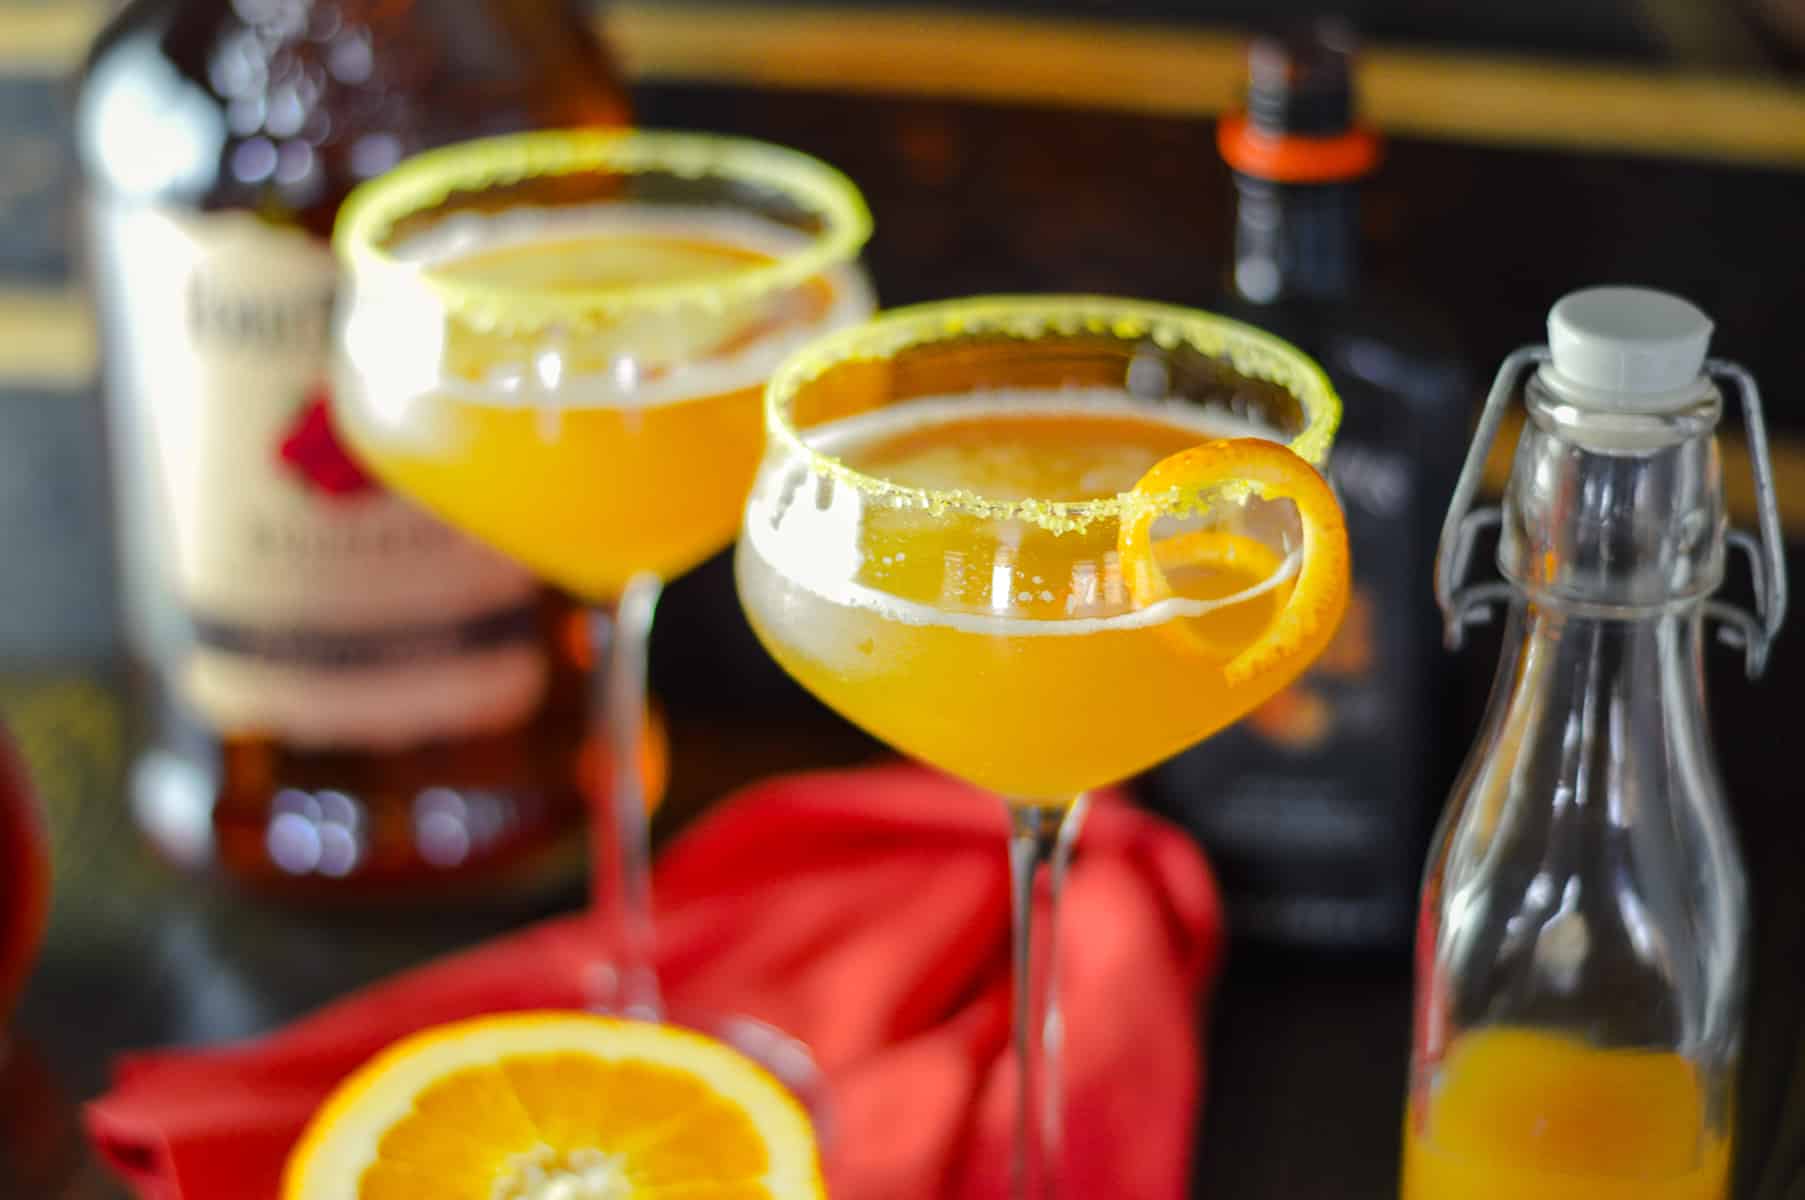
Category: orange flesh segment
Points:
column 560, row 1104
column 671, row 1128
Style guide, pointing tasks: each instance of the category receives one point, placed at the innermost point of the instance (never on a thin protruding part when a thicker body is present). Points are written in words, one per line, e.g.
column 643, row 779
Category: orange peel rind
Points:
column 1228, row 471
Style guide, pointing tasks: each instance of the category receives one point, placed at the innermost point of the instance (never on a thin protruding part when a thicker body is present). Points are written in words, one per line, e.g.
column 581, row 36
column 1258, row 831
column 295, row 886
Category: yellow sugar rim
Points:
column 1249, row 351
column 427, row 180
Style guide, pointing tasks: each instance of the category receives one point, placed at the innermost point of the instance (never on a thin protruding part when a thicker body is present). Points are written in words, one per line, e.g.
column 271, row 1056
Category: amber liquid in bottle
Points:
column 341, row 697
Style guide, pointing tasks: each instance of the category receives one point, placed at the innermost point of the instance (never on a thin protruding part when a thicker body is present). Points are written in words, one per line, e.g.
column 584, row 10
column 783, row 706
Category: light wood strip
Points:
column 933, row 53
column 1133, row 68
column 45, row 37
column 1189, row 72
column 1504, row 102
column 46, row 338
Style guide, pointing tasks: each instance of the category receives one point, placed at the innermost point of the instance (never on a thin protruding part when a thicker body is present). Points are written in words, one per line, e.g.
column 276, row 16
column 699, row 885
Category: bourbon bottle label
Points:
column 280, row 588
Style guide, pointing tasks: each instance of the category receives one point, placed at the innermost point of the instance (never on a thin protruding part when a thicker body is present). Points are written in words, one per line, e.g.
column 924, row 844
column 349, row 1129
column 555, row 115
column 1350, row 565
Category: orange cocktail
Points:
column 608, row 455
column 1518, row 1113
column 556, row 341
column 1042, row 543
column 1019, row 659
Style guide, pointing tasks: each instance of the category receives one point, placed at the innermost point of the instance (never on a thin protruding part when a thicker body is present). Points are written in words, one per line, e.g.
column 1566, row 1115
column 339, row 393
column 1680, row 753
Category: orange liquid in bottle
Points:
column 1520, row 1115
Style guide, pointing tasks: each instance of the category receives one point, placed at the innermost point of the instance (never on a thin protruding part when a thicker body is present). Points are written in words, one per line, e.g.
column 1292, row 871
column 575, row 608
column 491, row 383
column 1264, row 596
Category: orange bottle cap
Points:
column 1295, row 159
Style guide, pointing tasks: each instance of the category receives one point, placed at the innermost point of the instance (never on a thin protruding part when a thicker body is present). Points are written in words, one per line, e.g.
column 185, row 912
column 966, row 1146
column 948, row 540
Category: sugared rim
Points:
column 1251, row 352
column 427, row 180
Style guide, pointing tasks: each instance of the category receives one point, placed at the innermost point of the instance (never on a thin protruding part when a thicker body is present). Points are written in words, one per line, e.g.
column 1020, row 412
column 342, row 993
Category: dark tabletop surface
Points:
column 1305, row 1059
column 1306, row 1052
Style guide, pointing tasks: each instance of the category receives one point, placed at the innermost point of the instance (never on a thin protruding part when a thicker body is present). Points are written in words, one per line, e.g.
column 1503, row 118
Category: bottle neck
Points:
column 1296, row 241
column 1615, row 514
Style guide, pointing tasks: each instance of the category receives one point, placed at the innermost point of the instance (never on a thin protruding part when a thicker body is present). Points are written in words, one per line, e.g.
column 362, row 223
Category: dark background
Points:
column 971, row 197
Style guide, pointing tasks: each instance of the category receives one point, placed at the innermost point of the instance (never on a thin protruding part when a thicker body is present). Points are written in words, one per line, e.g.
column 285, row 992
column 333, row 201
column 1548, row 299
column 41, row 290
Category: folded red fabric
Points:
column 865, row 912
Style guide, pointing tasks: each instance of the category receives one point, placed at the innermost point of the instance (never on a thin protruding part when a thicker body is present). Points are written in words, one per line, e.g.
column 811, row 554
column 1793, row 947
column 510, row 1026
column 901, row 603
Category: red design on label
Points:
column 312, row 451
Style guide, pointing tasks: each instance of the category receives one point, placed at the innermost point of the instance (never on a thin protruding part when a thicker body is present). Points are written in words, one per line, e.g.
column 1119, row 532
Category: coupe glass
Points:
column 1041, row 544
column 557, row 342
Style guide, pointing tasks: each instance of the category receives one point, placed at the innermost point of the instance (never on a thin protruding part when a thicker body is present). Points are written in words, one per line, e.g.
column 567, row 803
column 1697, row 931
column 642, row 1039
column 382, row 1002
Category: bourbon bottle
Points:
column 341, row 695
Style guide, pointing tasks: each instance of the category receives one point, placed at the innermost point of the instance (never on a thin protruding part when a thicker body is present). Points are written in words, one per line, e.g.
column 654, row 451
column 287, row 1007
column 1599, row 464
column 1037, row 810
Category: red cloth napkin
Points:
column 865, row 912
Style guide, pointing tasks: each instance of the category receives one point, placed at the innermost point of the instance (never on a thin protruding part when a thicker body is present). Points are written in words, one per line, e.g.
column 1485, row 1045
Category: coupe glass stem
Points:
column 1040, row 844
column 626, row 982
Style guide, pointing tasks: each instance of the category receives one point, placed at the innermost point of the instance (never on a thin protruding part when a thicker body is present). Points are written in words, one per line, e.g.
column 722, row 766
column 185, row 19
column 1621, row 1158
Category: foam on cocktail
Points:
column 639, row 361
column 997, row 470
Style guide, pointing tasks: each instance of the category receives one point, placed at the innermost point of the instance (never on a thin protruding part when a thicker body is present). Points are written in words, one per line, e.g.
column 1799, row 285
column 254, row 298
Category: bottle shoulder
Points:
column 146, row 123
column 187, row 102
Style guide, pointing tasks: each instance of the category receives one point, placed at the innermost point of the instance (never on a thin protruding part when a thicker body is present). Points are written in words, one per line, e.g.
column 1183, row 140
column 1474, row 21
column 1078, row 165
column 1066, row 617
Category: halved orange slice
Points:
column 1280, row 626
column 557, row 1106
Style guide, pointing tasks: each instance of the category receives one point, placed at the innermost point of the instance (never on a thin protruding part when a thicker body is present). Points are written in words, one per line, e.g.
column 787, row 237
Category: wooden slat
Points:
column 1190, row 72
column 1131, row 67
column 933, row 52
column 46, row 338
column 1506, row 102
column 47, row 36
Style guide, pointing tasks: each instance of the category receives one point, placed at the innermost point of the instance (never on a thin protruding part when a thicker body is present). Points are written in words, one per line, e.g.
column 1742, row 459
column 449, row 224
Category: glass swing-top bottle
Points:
column 1583, row 927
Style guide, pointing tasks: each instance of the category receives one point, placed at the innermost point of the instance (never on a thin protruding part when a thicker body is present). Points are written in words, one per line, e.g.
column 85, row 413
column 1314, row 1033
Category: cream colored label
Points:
column 282, row 588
